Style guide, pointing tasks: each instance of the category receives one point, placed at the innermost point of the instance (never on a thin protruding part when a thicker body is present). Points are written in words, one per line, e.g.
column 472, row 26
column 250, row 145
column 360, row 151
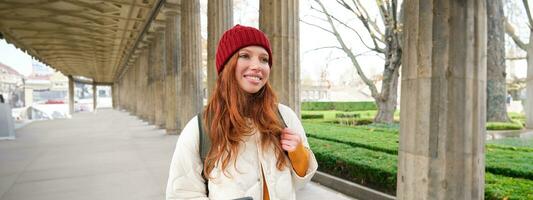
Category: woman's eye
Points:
column 265, row 60
column 243, row 56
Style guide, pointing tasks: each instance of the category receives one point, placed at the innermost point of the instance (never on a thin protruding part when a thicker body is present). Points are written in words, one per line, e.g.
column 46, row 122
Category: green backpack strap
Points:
column 204, row 145
column 205, row 141
column 280, row 118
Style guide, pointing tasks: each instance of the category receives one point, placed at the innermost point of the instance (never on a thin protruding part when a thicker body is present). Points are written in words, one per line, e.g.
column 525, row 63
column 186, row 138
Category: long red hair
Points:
column 228, row 110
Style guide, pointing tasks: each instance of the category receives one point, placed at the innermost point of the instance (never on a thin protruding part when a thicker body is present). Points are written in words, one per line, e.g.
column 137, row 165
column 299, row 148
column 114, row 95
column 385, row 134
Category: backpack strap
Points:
column 205, row 141
column 204, row 146
column 280, row 118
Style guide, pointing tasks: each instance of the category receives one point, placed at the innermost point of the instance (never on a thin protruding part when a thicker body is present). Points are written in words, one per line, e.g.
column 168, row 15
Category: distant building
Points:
column 44, row 85
column 11, row 86
column 315, row 91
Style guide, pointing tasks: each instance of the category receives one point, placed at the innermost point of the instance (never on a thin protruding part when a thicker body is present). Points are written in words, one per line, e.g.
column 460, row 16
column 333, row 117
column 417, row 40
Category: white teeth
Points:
column 253, row 77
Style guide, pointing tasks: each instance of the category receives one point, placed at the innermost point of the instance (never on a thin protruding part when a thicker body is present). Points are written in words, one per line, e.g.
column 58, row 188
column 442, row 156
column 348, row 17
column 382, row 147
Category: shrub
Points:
column 378, row 171
column 377, row 140
column 500, row 187
column 515, row 125
column 318, row 106
column 350, row 121
column 347, row 115
column 312, row 116
column 374, row 169
column 512, row 163
column 341, row 106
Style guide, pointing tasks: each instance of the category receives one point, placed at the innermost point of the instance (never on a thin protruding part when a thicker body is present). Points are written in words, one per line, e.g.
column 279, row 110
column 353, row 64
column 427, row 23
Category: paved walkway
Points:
column 95, row 156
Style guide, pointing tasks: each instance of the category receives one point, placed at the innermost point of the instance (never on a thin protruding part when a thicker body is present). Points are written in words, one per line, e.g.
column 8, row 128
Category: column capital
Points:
column 171, row 9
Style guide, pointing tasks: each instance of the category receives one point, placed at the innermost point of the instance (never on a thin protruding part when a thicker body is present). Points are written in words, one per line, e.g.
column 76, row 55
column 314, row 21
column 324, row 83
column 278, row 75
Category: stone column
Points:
column 279, row 20
column 159, row 77
column 151, row 83
column 443, row 100
column 71, row 95
column 143, row 81
column 114, row 97
column 172, row 37
column 190, row 86
column 219, row 19
column 95, row 97
column 528, row 110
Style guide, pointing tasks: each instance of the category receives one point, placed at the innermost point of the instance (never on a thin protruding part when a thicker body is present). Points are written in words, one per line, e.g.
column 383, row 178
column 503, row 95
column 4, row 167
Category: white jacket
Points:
column 185, row 180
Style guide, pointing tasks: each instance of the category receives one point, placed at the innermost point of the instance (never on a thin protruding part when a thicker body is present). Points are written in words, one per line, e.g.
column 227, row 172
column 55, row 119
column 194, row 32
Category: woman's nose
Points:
column 255, row 63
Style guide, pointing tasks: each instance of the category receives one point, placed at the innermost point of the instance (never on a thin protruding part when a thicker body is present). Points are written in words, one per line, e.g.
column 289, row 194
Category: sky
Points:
column 15, row 58
column 312, row 62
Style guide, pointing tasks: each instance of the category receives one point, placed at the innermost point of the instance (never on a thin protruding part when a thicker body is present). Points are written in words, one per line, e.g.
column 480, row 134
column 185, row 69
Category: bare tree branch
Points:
column 511, row 32
column 350, row 54
column 320, row 48
column 376, row 46
column 317, row 26
column 378, row 31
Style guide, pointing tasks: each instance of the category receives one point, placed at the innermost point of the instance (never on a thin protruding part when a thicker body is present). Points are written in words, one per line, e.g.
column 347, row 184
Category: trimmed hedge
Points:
column 513, row 143
column 515, row 125
column 347, row 115
column 373, row 169
column 377, row 140
column 350, row 121
column 312, row 116
column 509, row 161
column 378, row 170
column 501, row 187
column 512, row 163
column 341, row 106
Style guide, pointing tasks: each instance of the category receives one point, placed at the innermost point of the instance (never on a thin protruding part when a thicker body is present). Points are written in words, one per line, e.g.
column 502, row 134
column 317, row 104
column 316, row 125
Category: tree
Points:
column 384, row 39
column 528, row 47
column 496, row 85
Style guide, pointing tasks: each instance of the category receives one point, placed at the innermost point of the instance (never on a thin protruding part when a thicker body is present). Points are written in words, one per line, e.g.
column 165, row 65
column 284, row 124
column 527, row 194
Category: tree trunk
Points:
column 387, row 106
column 387, row 99
column 529, row 83
column 496, row 85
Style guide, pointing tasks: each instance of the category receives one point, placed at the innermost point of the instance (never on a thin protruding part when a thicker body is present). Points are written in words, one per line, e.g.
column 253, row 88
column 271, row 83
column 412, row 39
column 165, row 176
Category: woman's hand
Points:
column 290, row 139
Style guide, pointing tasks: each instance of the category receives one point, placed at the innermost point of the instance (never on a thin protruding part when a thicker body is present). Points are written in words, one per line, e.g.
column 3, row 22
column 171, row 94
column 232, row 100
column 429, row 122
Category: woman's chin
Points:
column 252, row 90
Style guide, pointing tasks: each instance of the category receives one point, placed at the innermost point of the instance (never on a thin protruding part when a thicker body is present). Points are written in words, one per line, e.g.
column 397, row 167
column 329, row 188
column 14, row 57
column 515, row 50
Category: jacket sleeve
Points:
column 185, row 180
column 293, row 122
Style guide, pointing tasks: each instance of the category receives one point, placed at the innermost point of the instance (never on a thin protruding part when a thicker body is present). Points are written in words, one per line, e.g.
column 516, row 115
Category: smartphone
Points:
column 244, row 198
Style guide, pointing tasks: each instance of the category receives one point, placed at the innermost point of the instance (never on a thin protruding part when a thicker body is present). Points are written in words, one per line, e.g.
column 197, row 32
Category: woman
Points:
column 251, row 154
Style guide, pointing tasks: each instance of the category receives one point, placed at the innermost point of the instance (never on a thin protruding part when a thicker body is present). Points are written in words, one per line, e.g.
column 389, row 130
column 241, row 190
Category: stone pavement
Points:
column 95, row 156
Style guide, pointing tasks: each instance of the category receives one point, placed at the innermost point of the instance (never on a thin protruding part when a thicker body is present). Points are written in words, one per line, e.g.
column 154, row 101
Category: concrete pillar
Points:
column 70, row 94
column 159, row 78
column 144, row 86
column 95, row 97
column 172, row 38
column 113, row 96
column 219, row 19
column 190, row 85
column 443, row 100
column 279, row 20
column 528, row 110
column 151, row 83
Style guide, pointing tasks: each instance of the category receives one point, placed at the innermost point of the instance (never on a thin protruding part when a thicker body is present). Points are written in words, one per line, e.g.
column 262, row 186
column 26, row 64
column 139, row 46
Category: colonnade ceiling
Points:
column 91, row 38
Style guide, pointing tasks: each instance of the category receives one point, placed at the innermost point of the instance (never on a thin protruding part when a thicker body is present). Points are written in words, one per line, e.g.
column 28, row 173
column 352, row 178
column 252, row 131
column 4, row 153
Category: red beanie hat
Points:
column 236, row 38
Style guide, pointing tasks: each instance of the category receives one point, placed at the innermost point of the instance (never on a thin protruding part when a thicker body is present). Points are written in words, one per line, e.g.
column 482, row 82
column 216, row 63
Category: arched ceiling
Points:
column 90, row 38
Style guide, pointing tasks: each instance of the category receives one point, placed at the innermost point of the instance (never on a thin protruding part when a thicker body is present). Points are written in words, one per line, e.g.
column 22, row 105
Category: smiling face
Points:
column 252, row 69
